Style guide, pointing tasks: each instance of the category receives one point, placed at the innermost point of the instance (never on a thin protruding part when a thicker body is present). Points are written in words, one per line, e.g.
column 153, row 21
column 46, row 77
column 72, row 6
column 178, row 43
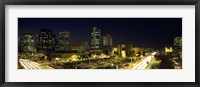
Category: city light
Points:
column 117, row 44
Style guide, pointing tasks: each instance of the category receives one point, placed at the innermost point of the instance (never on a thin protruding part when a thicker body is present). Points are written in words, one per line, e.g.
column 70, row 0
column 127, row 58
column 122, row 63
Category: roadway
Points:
column 144, row 63
column 28, row 64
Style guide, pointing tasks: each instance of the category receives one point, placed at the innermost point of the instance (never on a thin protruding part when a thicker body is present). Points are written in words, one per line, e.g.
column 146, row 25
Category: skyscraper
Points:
column 178, row 44
column 107, row 40
column 64, row 41
column 107, row 44
column 46, row 41
column 95, row 38
column 27, row 43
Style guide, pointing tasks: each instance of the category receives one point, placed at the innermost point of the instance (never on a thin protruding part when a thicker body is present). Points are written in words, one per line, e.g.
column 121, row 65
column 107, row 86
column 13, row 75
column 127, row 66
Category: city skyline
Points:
column 100, row 43
column 137, row 31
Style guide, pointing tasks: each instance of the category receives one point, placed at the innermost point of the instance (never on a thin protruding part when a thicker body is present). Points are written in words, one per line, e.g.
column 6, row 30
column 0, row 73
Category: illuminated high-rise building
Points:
column 46, row 41
column 178, row 44
column 107, row 44
column 107, row 40
column 64, row 41
column 95, row 38
column 27, row 43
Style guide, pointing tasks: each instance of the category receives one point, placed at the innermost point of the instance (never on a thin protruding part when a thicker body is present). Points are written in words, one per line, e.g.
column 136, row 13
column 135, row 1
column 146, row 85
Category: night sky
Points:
column 142, row 32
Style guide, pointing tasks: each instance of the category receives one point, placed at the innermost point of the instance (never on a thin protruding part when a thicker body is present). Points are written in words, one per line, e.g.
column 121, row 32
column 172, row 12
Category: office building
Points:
column 46, row 41
column 95, row 38
column 178, row 44
column 27, row 43
column 64, row 42
column 107, row 44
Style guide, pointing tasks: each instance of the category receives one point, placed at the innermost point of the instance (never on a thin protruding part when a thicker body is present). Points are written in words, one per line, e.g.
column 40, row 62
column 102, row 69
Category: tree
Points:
column 166, row 63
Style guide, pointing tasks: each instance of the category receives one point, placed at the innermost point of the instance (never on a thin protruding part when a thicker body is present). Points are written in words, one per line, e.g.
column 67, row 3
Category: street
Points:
column 28, row 64
column 144, row 63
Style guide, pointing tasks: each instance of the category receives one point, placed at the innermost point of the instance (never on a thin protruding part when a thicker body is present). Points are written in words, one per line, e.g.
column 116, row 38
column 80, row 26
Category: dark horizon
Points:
column 142, row 32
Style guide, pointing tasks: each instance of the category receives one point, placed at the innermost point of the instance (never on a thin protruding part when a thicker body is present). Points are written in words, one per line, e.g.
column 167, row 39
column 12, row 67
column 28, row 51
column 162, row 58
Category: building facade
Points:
column 125, row 50
column 107, row 44
column 64, row 42
column 107, row 40
column 80, row 47
column 46, row 41
column 168, row 50
column 27, row 43
column 178, row 44
column 95, row 38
